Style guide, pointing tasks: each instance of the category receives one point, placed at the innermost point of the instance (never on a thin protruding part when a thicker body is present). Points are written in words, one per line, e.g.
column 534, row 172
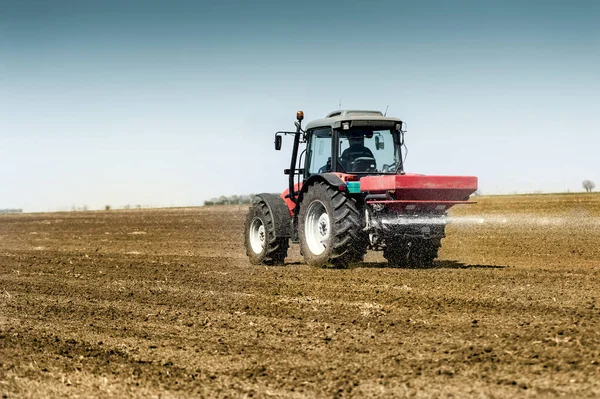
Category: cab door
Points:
column 319, row 154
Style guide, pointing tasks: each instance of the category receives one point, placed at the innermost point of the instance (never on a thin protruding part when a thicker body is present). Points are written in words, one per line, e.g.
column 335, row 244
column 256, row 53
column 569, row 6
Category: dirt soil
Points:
column 163, row 303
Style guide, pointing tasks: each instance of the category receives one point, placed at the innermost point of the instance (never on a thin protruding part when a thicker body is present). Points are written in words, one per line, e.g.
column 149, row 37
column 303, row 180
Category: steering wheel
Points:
column 364, row 162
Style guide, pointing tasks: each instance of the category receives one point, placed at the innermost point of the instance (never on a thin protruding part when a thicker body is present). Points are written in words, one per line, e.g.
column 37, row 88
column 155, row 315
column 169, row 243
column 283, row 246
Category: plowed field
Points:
column 163, row 303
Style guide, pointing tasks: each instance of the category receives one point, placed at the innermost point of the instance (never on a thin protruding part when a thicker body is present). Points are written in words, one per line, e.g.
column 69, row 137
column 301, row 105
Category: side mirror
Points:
column 379, row 143
column 277, row 142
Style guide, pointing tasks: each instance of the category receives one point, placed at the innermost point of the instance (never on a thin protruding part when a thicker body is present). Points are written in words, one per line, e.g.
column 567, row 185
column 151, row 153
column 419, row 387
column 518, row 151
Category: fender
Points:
column 281, row 214
column 329, row 178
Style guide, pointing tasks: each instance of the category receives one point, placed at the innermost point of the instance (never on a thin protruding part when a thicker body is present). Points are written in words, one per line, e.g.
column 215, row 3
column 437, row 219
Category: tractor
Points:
column 348, row 192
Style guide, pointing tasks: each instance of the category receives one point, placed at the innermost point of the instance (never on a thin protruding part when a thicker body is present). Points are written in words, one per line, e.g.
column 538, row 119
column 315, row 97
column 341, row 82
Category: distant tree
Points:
column 588, row 185
column 246, row 199
column 231, row 200
column 107, row 207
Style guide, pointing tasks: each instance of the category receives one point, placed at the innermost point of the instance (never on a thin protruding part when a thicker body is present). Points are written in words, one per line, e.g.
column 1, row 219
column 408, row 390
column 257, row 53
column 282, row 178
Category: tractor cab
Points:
column 353, row 142
column 361, row 150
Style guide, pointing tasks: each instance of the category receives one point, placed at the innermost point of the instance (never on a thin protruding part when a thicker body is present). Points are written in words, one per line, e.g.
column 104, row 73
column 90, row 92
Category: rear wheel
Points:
column 329, row 227
column 262, row 247
column 411, row 253
column 397, row 254
column 428, row 251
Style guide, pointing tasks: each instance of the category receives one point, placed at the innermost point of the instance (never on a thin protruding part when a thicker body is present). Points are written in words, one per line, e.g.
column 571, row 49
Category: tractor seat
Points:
column 358, row 158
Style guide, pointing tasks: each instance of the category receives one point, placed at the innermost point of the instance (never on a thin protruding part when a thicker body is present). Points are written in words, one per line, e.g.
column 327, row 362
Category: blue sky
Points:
column 172, row 103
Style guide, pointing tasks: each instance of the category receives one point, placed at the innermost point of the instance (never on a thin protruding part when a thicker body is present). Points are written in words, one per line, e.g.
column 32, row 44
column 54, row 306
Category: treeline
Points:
column 231, row 200
column 11, row 210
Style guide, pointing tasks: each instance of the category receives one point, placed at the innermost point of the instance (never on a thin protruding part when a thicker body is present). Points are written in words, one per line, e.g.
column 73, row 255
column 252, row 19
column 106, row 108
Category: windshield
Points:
column 368, row 151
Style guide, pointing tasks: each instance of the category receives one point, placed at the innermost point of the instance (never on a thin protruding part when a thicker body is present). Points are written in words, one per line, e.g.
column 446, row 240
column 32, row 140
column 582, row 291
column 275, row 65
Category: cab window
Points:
column 319, row 151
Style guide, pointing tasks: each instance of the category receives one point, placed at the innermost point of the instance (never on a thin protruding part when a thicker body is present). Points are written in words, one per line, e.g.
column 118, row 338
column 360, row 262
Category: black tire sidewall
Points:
column 396, row 255
column 420, row 255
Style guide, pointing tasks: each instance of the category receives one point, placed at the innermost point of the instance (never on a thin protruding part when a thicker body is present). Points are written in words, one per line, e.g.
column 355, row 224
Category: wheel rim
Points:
column 318, row 228
column 257, row 236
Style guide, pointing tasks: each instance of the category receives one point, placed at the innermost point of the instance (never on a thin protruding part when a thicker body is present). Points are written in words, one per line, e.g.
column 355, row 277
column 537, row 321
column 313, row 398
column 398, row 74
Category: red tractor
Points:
column 348, row 192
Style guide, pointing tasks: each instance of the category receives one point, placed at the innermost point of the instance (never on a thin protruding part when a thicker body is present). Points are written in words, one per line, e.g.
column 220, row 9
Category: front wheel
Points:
column 262, row 247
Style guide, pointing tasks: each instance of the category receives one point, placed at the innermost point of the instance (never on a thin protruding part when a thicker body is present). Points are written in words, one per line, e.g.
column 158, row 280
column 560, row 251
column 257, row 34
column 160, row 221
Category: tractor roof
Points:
column 335, row 118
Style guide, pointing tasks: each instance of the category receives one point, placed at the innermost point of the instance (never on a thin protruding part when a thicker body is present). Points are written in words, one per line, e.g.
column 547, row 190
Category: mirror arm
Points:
column 297, row 136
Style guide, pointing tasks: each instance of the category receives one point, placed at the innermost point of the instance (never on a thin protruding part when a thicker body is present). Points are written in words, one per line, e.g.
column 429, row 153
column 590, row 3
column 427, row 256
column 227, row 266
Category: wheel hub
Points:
column 317, row 228
column 257, row 236
column 324, row 227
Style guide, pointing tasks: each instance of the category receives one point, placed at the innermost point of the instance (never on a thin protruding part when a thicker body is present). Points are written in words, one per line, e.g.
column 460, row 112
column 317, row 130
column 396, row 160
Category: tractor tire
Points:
column 330, row 227
column 428, row 251
column 417, row 253
column 397, row 254
column 262, row 247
